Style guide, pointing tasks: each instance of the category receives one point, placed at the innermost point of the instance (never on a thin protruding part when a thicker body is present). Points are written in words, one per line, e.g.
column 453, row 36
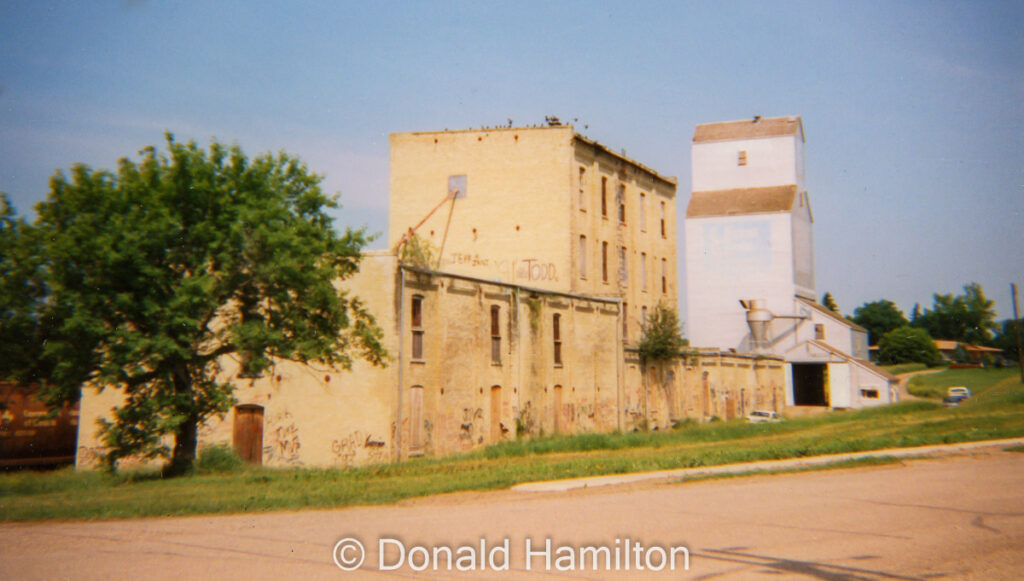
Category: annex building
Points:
column 547, row 252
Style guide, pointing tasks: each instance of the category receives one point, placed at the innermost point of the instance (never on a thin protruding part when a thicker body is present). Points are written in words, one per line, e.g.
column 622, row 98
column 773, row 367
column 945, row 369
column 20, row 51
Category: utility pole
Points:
column 1016, row 325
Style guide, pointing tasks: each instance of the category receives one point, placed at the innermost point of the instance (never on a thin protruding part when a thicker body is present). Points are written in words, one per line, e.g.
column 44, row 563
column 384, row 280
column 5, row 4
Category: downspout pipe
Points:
column 401, row 362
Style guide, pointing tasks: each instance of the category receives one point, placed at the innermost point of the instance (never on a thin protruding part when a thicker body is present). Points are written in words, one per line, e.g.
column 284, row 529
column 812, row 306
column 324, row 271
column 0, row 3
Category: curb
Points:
column 764, row 465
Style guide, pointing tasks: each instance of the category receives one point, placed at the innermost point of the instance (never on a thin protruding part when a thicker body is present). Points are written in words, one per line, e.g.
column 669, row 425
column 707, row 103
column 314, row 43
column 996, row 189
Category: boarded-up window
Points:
column 583, row 256
column 417, row 327
column 643, row 271
column 556, row 333
column 495, row 334
column 643, row 212
column 604, row 197
column 623, row 267
column 604, row 261
column 620, row 199
column 583, row 189
column 663, row 219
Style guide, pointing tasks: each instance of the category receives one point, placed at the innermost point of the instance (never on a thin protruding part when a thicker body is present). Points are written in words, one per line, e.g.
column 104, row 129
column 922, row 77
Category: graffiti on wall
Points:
column 346, row 449
column 282, row 444
column 92, row 456
column 517, row 269
column 472, row 426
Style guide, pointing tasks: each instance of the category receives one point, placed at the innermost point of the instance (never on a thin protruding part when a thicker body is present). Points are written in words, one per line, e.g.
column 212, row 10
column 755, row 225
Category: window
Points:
column 604, row 197
column 620, row 199
column 664, row 276
column 869, row 393
column 625, row 321
column 663, row 219
column 819, row 332
column 496, row 334
column 623, row 269
column 741, row 159
column 583, row 257
column 643, row 271
column 556, row 333
column 604, row 261
column 417, row 327
column 583, row 189
column 643, row 212
column 643, row 317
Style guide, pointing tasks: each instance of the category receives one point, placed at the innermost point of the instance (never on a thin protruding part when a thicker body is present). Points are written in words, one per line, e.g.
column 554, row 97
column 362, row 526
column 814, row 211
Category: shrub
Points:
column 219, row 458
column 908, row 345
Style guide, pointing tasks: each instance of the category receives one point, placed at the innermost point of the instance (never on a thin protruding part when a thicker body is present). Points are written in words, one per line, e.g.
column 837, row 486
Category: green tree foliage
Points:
column 161, row 271
column 1006, row 339
column 662, row 338
column 908, row 345
column 21, row 290
column 830, row 303
column 879, row 317
column 969, row 318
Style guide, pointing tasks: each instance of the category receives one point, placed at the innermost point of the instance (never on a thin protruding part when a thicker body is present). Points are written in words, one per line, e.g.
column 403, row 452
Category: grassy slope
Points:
column 996, row 411
column 934, row 385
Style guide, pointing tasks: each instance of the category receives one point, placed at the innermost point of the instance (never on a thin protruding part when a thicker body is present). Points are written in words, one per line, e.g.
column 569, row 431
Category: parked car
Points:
column 953, row 400
column 762, row 416
column 958, row 391
column 955, row 396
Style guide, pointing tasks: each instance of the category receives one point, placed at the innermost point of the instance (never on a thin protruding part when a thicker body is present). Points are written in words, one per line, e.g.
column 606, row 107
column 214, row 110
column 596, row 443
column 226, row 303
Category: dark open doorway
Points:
column 809, row 381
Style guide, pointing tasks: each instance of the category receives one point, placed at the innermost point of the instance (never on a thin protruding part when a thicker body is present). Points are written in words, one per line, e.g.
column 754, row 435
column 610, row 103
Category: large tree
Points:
column 969, row 318
column 21, row 290
column 879, row 317
column 159, row 272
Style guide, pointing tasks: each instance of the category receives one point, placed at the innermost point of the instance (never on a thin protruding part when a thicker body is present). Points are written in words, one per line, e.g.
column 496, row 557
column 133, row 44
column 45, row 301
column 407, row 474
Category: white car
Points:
column 762, row 416
column 958, row 391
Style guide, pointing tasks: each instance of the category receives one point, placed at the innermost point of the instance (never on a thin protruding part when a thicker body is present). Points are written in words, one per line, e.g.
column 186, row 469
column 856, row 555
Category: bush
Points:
column 219, row 458
column 908, row 345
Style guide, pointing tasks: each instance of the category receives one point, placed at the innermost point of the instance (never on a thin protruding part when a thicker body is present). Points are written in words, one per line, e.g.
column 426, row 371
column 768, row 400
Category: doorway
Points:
column 248, row 433
column 809, row 384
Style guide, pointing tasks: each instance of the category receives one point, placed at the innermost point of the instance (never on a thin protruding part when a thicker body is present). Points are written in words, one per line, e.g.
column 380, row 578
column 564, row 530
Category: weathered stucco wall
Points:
column 473, row 384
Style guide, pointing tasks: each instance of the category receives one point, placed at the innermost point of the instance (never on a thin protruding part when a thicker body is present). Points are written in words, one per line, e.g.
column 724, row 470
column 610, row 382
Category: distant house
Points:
column 947, row 350
column 975, row 353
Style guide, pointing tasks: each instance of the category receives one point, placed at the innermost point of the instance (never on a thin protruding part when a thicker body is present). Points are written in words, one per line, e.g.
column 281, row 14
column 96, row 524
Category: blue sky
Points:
column 912, row 110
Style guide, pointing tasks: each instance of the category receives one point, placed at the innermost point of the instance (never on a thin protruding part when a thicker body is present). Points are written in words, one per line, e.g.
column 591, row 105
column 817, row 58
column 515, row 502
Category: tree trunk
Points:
column 184, row 456
column 187, row 435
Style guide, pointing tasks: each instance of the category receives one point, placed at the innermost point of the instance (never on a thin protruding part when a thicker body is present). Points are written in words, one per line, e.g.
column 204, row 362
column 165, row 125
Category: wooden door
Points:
column 496, row 413
column 558, row 409
column 248, row 433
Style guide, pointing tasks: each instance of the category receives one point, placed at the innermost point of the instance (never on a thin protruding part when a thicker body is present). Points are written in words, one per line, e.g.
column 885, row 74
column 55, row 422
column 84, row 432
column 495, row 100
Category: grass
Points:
column 905, row 368
column 934, row 385
column 996, row 411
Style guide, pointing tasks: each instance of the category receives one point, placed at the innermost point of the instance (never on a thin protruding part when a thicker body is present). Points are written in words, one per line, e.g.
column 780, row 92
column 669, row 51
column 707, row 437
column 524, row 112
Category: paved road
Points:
column 956, row 517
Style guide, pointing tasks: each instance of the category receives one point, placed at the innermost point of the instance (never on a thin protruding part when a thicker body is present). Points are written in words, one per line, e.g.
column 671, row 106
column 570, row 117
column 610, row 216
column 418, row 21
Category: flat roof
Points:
column 755, row 128
column 670, row 180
